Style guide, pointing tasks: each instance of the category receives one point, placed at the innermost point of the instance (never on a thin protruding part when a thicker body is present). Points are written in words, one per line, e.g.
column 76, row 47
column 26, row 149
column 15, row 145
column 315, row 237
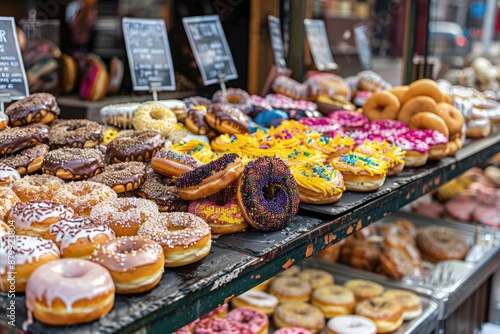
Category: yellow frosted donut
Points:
column 154, row 116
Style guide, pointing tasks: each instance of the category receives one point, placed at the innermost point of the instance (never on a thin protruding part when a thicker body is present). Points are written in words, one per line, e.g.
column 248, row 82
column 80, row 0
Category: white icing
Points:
column 123, row 286
column 259, row 298
column 24, row 214
column 8, row 174
column 173, row 104
column 69, row 231
column 116, row 111
column 352, row 324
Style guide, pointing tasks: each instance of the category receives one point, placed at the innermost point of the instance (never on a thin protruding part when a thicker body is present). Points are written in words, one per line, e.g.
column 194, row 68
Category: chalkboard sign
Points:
column 363, row 46
column 148, row 54
column 276, row 41
column 319, row 45
column 12, row 75
column 209, row 45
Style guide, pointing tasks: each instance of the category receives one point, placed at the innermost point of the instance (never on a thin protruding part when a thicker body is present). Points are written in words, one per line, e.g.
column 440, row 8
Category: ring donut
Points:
column 399, row 92
column 451, row 115
column 381, row 105
column 236, row 98
column 425, row 87
column 28, row 161
column 226, row 119
column 122, row 177
column 196, row 123
column 80, row 133
column 154, row 116
column 70, row 163
column 16, row 139
column 134, row 146
column 415, row 105
column 35, row 108
column 428, row 120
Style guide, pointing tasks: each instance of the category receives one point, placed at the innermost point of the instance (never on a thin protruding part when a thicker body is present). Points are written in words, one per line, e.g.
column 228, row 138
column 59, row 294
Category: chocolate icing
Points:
column 198, row 118
column 224, row 113
column 16, row 139
column 82, row 163
column 74, row 133
column 134, row 146
column 26, row 157
column 33, row 104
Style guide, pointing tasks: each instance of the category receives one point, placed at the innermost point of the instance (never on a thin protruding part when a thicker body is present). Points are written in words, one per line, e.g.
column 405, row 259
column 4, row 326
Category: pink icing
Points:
column 387, row 124
column 279, row 101
column 88, row 81
column 323, row 125
column 429, row 136
column 188, row 329
column 412, row 144
column 254, row 319
column 222, row 326
column 358, row 135
column 305, row 105
column 260, row 103
column 292, row 330
column 350, row 119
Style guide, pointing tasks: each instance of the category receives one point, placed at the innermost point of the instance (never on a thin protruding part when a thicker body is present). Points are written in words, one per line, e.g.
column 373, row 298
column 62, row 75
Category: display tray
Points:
column 448, row 282
column 425, row 324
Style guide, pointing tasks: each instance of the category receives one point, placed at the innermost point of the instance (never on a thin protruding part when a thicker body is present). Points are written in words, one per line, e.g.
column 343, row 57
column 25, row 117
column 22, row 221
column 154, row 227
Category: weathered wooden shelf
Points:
column 240, row 261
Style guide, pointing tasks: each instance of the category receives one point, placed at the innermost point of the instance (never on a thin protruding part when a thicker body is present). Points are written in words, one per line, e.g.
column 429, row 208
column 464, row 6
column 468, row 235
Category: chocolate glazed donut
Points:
column 80, row 133
column 227, row 119
column 17, row 139
column 35, row 108
column 134, row 146
column 196, row 123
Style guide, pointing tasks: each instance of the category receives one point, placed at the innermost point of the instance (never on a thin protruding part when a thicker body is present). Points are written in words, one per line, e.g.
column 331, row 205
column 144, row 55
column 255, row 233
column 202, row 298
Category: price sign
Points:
column 319, row 45
column 363, row 46
column 276, row 41
column 13, row 81
column 209, row 45
column 148, row 54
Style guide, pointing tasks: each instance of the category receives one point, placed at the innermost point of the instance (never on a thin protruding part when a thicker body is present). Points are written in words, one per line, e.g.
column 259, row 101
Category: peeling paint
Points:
column 437, row 180
column 309, row 250
column 288, row 264
column 359, row 225
column 350, row 229
column 228, row 299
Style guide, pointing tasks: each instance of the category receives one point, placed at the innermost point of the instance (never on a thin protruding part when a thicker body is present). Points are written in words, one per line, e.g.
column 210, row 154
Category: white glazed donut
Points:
column 260, row 300
column 351, row 324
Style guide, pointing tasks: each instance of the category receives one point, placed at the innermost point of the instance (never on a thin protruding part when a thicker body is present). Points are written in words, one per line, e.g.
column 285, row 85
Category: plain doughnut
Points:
column 381, row 105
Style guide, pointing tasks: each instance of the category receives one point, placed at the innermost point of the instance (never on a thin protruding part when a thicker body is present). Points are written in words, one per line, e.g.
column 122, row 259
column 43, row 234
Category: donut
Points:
column 16, row 139
column 425, row 87
column 134, row 146
column 83, row 196
column 119, row 115
column 43, row 75
column 451, row 116
column 440, row 244
column 226, row 119
column 364, row 289
column 218, row 312
column 197, row 101
column 42, row 129
column 259, row 104
column 268, row 194
column 290, row 289
column 4, row 120
column 8, row 175
column 416, row 151
column 410, row 302
column 34, row 108
column 123, row 177
column 209, row 179
column 292, row 330
column 387, row 128
column 70, row 163
column 361, row 172
column 478, row 128
column 361, row 97
column 196, row 123
column 8, row 199
column 349, row 120
column 399, row 92
column 116, row 72
column 428, row 120
column 185, row 238
column 34, row 218
column 162, row 191
column 125, row 215
column 27, row 161
column 290, row 88
column 80, row 133
column 236, row 98
column 4, row 228
column 400, row 258
column 222, row 326
column 221, row 211
column 178, row 107
column 436, row 140
column 95, row 79
column 299, row 314
column 324, row 125
column 154, row 116
column 84, row 292
column 256, row 321
column 389, row 153
column 259, row 300
column 385, row 313
column 172, row 164
column 371, row 81
column 316, row 277
column 381, row 105
column 135, row 264
column 328, row 84
column 333, row 300
column 69, row 73
column 486, row 215
column 318, row 184
column 29, row 253
column 37, row 187
column 77, row 237
column 290, row 272
column 350, row 324
column 414, row 106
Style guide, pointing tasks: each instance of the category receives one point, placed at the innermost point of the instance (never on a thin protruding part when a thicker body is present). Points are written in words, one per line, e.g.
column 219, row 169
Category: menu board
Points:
column 319, row 45
column 363, row 46
column 276, row 41
column 148, row 54
column 210, row 48
column 13, row 81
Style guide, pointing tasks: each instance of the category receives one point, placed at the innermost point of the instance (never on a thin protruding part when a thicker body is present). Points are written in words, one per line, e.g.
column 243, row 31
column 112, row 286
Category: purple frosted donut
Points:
column 349, row 119
column 268, row 194
column 236, row 98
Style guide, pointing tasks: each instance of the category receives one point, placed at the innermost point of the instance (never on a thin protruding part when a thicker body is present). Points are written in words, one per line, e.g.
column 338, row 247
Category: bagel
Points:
column 425, row 87
column 451, row 115
column 399, row 92
column 428, row 120
column 415, row 105
column 381, row 105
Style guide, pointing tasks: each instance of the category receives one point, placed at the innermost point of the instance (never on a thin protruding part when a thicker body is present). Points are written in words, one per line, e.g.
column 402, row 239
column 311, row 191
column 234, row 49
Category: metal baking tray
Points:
column 426, row 323
column 463, row 277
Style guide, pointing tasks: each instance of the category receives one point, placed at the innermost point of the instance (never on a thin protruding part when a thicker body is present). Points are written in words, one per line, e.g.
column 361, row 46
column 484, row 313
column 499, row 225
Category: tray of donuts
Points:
column 309, row 299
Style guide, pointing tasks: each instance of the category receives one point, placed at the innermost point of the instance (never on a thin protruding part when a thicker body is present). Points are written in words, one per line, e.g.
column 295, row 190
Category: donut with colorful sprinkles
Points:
column 268, row 194
column 211, row 178
column 361, row 172
column 318, row 183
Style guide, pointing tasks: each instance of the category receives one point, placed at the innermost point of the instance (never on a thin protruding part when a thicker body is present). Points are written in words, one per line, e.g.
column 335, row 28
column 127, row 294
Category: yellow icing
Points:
column 318, row 178
column 358, row 162
column 383, row 149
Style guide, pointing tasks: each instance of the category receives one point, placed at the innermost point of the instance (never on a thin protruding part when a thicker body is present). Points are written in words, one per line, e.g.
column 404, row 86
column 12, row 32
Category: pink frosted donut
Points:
column 188, row 329
column 218, row 312
column 292, row 330
column 387, row 126
column 305, row 105
column 361, row 97
column 436, row 140
column 222, row 326
column 349, row 119
column 256, row 321
column 417, row 151
column 259, row 103
column 323, row 125
column 280, row 102
column 358, row 135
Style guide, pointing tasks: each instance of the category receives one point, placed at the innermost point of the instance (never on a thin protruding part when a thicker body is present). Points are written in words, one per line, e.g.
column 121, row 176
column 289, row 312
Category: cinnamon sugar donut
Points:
column 122, row 177
column 27, row 161
column 333, row 300
column 125, row 215
column 290, row 289
column 80, row 133
column 439, row 244
column 316, row 277
column 364, row 289
column 8, row 199
column 134, row 146
column 16, row 139
column 37, row 187
column 83, row 196
column 8, row 175
column 34, row 108
column 299, row 315
column 384, row 312
column 70, row 163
